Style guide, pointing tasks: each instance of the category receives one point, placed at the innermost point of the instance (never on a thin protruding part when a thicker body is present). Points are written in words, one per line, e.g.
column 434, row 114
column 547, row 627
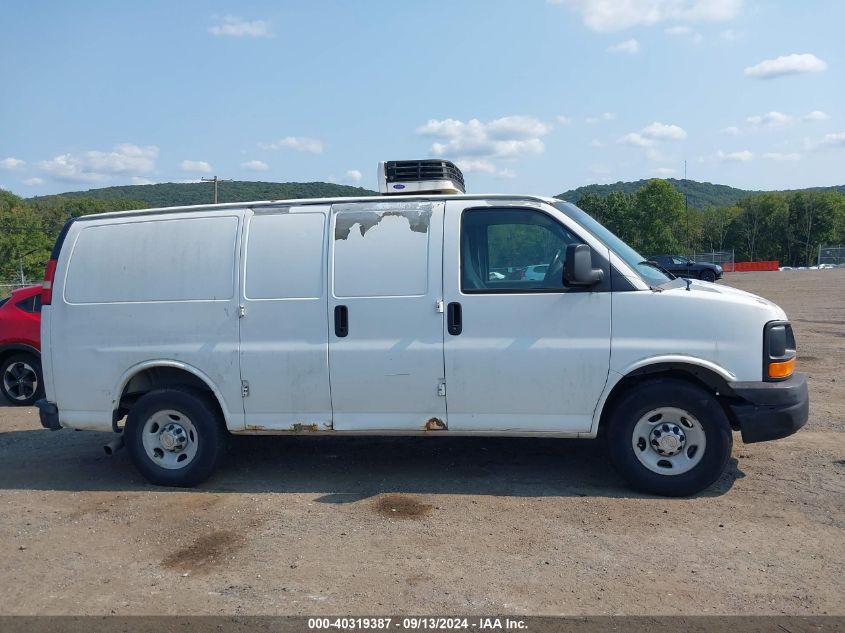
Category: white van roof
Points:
column 264, row 204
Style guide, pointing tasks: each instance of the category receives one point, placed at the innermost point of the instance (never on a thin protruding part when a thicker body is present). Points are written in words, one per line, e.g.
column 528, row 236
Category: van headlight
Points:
column 778, row 351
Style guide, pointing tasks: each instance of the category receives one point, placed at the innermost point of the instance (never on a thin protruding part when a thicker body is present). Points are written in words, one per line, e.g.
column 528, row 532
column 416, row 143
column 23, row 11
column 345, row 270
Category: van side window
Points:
column 512, row 250
column 381, row 253
column 284, row 256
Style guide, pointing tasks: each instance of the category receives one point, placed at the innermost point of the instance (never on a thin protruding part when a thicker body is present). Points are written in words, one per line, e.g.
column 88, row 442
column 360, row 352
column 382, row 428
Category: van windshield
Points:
column 650, row 274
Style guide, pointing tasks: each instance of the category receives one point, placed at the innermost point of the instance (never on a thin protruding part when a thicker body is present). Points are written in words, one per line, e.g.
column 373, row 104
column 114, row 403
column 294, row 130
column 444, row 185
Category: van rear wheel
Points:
column 175, row 436
column 669, row 437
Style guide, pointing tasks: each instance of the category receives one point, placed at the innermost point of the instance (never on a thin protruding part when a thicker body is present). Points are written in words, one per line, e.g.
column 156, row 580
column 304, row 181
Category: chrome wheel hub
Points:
column 669, row 441
column 170, row 439
column 173, row 438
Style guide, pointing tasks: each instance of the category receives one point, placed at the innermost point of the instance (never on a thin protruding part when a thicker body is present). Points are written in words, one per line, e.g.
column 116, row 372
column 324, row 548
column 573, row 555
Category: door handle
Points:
column 455, row 320
column 341, row 321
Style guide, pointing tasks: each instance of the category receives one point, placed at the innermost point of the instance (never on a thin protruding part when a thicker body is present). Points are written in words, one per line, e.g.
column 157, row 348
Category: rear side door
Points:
column 521, row 354
column 386, row 328
column 283, row 327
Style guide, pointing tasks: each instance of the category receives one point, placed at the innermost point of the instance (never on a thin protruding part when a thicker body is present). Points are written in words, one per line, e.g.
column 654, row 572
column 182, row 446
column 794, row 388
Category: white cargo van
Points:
column 384, row 315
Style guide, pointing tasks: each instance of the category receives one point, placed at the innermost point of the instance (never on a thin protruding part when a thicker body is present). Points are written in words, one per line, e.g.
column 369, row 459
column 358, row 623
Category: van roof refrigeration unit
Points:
column 397, row 177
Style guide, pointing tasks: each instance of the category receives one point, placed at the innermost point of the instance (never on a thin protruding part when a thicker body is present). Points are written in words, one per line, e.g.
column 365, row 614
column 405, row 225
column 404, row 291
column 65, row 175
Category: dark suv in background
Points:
column 680, row 266
column 20, row 346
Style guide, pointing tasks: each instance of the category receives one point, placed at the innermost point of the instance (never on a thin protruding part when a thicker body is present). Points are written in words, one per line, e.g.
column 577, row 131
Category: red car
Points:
column 20, row 344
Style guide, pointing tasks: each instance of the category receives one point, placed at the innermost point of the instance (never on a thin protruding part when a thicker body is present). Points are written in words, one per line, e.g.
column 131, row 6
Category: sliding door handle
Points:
column 341, row 321
column 454, row 318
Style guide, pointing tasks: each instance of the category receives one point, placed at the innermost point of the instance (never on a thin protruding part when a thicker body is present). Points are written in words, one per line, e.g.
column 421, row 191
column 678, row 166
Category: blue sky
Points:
column 535, row 96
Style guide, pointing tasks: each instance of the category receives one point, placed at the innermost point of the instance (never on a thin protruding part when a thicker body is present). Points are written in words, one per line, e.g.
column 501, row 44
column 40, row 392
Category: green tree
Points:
column 659, row 214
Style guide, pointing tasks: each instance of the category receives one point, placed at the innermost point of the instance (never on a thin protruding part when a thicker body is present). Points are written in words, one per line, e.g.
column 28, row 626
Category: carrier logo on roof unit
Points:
column 419, row 176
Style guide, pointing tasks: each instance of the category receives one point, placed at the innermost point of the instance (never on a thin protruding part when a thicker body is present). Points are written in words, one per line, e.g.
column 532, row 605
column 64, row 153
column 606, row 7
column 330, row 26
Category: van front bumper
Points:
column 49, row 414
column 771, row 410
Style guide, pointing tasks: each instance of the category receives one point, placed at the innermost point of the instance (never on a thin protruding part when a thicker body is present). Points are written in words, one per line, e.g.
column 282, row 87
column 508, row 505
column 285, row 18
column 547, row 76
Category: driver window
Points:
column 517, row 250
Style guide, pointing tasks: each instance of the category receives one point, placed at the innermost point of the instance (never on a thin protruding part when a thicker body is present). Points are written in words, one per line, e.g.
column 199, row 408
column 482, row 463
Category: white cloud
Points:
column 663, row 132
column 233, row 26
column 636, row 139
column 34, row 182
column 299, row 143
column 653, row 134
column 354, row 175
column 482, row 166
column 605, row 116
column 618, row 15
column 97, row 166
column 507, row 137
column 731, row 130
column 815, row 115
column 195, row 165
column 596, row 143
column 563, row 120
column 255, row 165
column 11, row 163
column 140, row 180
column 729, row 35
column 742, row 156
column 628, row 47
column 837, row 139
column 665, row 171
column 682, row 30
column 782, row 157
column 770, row 119
column 786, row 65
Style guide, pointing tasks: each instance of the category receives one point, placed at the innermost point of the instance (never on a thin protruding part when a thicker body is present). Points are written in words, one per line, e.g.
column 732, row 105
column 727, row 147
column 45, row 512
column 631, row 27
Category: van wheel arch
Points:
column 694, row 374
column 161, row 377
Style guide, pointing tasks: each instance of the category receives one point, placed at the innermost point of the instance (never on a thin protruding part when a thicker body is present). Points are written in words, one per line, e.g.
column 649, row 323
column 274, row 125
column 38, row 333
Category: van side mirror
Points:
column 578, row 267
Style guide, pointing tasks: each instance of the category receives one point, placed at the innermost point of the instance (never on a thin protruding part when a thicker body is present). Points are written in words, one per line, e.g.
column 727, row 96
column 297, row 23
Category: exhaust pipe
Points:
column 115, row 445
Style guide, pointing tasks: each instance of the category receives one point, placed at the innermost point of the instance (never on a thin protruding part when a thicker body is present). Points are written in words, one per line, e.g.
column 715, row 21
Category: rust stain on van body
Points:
column 435, row 424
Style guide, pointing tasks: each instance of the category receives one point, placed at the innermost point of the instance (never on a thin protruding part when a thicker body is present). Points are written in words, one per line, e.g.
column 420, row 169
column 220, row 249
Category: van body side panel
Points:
column 524, row 362
column 708, row 324
column 284, row 330
column 141, row 290
column 385, row 266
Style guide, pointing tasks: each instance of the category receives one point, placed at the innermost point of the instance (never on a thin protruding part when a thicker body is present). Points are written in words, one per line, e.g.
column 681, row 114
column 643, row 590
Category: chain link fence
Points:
column 831, row 255
column 6, row 289
column 725, row 259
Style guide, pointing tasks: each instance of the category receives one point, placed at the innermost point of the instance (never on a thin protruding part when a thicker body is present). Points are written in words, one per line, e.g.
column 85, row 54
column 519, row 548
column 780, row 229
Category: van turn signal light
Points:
column 782, row 369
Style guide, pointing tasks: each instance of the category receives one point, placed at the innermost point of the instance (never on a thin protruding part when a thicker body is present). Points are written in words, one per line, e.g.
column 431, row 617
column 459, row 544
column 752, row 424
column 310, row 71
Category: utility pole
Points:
column 686, row 209
column 215, row 180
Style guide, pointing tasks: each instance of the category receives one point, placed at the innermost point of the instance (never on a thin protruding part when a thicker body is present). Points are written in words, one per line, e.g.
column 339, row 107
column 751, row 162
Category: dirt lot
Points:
column 438, row 525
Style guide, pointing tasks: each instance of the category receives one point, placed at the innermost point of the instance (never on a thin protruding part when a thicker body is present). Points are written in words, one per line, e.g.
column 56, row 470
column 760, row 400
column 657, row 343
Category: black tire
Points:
column 707, row 275
column 202, row 411
column 679, row 394
column 9, row 376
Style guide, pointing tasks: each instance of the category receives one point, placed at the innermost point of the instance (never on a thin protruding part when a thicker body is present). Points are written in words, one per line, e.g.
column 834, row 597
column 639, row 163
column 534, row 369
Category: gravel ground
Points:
column 299, row 525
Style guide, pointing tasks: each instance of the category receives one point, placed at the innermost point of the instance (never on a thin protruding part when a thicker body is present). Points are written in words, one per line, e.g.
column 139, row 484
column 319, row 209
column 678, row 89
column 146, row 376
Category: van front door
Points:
column 522, row 352
column 385, row 328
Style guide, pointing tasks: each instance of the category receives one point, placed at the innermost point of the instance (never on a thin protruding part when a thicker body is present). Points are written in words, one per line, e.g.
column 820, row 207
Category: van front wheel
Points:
column 669, row 437
column 175, row 436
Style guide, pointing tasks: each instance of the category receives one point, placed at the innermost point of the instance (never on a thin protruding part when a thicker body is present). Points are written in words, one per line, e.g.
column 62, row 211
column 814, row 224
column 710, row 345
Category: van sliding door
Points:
column 283, row 330
column 385, row 322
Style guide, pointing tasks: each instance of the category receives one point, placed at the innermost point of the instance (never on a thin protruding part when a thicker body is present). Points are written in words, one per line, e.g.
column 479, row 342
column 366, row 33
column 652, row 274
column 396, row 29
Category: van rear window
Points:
column 188, row 259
